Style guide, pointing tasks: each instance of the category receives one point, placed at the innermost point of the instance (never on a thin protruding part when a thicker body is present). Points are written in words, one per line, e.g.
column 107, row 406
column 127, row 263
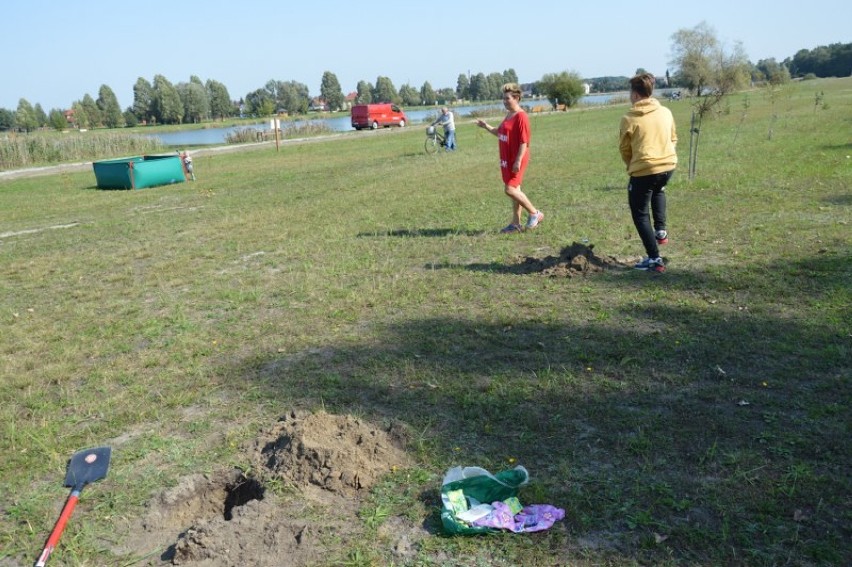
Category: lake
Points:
column 342, row 123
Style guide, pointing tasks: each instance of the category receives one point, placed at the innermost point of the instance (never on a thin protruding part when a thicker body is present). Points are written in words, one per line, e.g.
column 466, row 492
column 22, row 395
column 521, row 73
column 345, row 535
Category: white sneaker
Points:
column 534, row 220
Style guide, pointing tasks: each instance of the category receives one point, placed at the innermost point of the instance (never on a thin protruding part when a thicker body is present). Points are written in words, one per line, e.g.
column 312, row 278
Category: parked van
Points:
column 377, row 116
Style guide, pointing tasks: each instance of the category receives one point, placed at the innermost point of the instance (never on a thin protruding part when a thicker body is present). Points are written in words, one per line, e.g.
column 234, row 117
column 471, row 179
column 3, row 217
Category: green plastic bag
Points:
column 478, row 486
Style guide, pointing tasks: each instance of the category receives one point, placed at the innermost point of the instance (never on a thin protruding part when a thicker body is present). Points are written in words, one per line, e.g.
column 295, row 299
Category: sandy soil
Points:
column 310, row 473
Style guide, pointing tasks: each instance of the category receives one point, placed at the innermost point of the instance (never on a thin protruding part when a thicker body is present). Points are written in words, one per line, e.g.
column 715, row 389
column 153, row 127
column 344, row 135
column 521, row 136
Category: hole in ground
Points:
column 240, row 492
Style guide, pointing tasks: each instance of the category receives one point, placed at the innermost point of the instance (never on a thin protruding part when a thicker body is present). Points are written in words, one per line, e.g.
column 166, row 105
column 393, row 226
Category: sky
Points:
column 55, row 51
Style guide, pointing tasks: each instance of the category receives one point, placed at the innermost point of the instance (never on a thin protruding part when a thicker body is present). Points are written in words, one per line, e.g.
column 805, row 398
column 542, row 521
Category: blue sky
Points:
column 55, row 51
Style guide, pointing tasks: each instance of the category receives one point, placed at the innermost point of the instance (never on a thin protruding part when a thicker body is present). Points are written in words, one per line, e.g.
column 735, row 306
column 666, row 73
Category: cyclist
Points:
column 448, row 122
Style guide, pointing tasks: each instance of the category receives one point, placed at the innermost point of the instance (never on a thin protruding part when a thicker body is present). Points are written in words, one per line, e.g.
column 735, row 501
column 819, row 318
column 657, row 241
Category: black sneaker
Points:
column 662, row 237
column 651, row 265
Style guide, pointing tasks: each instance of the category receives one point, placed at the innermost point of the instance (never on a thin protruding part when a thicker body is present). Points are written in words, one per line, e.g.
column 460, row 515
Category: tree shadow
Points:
column 421, row 232
column 844, row 199
column 685, row 418
column 577, row 259
column 847, row 146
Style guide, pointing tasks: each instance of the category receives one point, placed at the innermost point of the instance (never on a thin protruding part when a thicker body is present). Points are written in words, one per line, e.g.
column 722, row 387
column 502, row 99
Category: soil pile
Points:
column 309, row 473
column 340, row 454
column 574, row 260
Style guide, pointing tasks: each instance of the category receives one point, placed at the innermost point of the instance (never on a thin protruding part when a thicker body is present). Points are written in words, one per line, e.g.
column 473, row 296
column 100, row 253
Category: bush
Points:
column 243, row 136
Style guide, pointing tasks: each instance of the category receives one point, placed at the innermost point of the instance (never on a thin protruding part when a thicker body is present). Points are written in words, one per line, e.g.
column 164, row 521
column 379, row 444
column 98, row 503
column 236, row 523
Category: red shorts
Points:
column 511, row 178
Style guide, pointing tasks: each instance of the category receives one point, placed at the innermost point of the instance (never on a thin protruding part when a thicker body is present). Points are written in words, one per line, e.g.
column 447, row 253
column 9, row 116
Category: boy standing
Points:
column 647, row 140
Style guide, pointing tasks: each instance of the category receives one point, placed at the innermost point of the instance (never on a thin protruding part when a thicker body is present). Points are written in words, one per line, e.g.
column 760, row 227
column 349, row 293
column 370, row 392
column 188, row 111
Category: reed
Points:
column 40, row 148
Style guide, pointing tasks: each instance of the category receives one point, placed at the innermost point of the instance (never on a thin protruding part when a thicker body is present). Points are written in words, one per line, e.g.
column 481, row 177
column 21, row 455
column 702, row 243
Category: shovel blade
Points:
column 87, row 466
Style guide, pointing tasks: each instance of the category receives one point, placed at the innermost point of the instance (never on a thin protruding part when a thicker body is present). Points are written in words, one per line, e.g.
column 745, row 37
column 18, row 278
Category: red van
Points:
column 377, row 115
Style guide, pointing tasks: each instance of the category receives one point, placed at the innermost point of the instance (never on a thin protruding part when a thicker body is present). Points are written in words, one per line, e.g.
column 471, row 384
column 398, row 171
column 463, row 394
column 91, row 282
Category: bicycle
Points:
column 434, row 140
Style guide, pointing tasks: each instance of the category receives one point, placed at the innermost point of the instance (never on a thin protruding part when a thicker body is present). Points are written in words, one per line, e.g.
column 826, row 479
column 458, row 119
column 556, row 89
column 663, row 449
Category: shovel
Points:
column 86, row 466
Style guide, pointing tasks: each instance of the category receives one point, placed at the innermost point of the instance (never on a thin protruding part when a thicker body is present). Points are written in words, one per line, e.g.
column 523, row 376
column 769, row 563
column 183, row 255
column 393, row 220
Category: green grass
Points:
column 697, row 418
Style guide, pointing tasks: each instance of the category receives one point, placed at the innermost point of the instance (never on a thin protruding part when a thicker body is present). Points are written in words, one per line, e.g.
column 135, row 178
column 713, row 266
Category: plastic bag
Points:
column 468, row 487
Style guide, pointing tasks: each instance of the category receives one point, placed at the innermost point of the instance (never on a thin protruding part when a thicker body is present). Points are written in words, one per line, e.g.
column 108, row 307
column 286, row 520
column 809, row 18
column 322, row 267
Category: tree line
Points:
column 699, row 63
column 161, row 102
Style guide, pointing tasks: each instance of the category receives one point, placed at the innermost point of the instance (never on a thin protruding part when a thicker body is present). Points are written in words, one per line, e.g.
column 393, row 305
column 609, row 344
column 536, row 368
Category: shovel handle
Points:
column 57, row 529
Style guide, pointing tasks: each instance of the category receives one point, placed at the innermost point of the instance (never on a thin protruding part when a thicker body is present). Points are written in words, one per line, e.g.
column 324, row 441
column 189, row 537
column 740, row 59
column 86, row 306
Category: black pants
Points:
column 646, row 192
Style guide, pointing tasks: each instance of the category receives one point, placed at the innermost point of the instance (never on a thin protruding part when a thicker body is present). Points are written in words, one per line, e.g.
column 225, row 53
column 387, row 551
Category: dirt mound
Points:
column 340, row 454
column 309, row 473
column 575, row 260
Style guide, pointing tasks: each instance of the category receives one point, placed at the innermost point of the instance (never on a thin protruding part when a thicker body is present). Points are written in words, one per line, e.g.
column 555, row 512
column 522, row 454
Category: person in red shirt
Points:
column 513, row 135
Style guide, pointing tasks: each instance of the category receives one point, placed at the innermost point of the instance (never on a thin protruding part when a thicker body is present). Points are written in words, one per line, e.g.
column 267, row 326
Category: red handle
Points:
column 57, row 529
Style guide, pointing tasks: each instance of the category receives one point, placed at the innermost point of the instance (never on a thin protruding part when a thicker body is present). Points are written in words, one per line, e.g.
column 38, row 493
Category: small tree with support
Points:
column 709, row 73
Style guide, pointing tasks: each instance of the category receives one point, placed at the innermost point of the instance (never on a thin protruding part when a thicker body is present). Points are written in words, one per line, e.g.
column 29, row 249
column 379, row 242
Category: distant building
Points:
column 587, row 88
column 350, row 100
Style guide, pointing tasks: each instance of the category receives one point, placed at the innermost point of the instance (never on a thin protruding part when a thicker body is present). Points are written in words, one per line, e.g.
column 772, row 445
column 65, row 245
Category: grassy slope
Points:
column 697, row 418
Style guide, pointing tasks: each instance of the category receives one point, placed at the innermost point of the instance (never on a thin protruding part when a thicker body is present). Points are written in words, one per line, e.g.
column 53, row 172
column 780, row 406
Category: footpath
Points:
column 81, row 166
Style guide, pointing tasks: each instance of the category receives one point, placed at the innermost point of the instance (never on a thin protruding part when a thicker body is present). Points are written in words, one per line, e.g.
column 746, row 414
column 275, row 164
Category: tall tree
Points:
column 385, row 91
column 771, row 71
column 331, row 92
column 445, row 95
column 40, row 115
column 562, row 88
column 695, row 53
column 292, row 96
column 220, row 101
column 143, row 100
column 167, row 106
column 193, row 96
column 7, row 119
column 109, row 108
column 409, row 95
column 91, row 111
column 463, row 86
column 81, row 117
column 56, row 119
column 260, row 103
column 365, row 92
column 834, row 60
column 479, row 87
column 130, row 119
column 427, row 94
column 495, row 84
column 510, row 76
column 733, row 70
column 25, row 116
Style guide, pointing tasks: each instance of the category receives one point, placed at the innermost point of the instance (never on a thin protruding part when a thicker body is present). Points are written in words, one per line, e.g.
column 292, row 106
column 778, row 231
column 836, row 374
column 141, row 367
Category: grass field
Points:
column 698, row 417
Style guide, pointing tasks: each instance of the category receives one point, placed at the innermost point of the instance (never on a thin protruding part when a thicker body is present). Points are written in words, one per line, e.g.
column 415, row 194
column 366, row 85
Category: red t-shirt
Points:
column 511, row 134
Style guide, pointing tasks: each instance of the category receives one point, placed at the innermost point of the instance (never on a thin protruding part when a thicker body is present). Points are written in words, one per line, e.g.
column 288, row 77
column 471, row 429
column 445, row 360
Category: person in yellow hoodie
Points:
column 647, row 140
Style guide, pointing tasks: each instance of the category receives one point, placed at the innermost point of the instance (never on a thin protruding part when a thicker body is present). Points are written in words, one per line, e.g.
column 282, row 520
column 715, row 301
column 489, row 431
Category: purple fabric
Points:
column 533, row 518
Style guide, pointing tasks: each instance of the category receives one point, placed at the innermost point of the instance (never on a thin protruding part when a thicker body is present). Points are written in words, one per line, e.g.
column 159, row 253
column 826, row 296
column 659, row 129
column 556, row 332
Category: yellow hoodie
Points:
column 647, row 139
